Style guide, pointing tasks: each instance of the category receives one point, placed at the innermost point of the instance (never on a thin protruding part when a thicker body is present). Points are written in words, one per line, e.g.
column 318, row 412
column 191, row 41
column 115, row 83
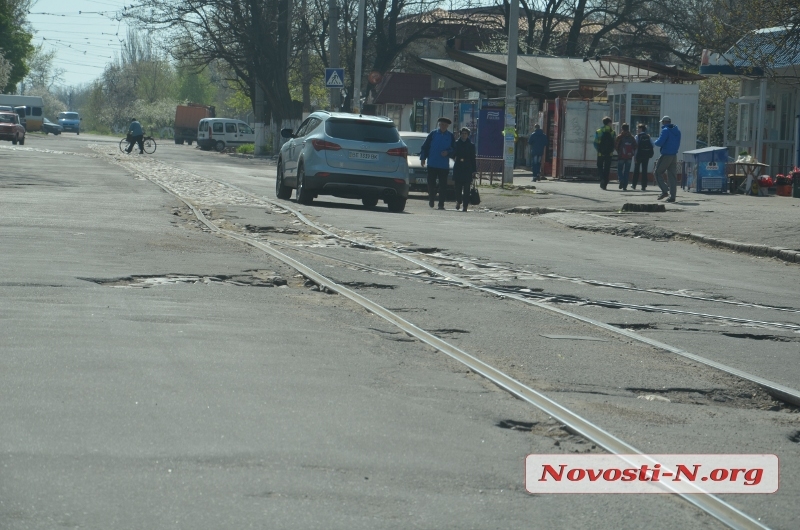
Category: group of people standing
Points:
column 439, row 147
column 639, row 149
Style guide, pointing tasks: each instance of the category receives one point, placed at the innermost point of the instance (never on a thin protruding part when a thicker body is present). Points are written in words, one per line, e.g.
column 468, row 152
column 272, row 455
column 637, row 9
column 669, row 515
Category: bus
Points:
column 34, row 109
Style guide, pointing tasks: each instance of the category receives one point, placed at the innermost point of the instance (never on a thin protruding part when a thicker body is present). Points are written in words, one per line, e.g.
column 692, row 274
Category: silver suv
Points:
column 344, row 155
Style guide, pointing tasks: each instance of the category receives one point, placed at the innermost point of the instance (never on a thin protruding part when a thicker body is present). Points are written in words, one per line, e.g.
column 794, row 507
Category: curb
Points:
column 785, row 254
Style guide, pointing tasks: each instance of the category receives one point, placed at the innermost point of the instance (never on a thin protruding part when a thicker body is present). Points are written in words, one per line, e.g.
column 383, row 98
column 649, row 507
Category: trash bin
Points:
column 796, row 185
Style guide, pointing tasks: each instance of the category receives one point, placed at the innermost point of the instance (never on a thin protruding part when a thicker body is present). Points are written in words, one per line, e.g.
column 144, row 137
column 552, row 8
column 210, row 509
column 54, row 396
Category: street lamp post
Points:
column 359, row 53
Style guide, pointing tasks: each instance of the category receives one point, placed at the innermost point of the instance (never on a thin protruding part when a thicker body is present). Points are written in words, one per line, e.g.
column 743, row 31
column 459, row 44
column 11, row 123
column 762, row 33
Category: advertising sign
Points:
column 491, row 122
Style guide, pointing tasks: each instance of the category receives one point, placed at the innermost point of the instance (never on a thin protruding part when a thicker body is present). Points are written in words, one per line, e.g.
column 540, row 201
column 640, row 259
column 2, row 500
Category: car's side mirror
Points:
column 286, row 133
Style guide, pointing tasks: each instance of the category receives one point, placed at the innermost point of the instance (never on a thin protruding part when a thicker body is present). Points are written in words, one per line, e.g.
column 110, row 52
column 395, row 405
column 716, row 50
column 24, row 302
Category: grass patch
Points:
column 246, row 149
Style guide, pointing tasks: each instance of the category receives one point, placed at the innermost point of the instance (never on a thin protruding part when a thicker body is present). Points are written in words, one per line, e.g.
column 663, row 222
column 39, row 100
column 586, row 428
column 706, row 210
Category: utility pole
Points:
column 304, row 73
column 359, row 52
column 258, row 119
column 333, row 35
column 509, row 132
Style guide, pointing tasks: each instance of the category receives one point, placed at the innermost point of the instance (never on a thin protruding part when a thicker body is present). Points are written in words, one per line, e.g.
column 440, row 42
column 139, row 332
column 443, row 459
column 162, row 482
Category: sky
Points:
column 84, row 33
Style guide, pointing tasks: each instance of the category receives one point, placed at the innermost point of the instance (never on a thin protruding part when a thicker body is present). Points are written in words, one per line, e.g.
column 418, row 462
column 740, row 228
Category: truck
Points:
column 187, row 118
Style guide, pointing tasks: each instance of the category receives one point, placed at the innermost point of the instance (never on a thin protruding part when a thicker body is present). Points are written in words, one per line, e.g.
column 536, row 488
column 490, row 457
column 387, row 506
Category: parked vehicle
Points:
column 344, row 155
column 219, row 133
column 70, row 121
column 50, row 127
column 418, row 175
column 29, row 109
column 11, row 129
column 187, row 119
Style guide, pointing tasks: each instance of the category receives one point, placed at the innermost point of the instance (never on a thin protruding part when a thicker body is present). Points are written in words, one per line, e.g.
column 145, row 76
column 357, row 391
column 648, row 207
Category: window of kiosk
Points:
column 646, row 109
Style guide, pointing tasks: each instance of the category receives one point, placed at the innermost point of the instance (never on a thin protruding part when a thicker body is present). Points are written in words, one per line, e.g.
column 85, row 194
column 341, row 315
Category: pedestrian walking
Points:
column 644, row 152
column 669, row 141
column 537, row 143
column 135, row 136
column 604, row 145
column 464, row 168
column 437, row 151
column 625, row 145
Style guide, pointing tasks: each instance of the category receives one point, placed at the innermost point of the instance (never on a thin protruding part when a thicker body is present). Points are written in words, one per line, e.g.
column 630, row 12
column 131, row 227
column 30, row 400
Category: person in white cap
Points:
column 669, row 141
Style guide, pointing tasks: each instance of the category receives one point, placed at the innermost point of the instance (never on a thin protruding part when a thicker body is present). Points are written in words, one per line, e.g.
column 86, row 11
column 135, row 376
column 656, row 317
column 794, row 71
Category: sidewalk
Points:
column 762, row 226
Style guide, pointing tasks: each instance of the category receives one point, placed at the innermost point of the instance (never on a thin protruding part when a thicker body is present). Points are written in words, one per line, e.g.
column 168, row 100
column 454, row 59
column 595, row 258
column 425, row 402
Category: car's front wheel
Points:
column 219, row 146
column 304, row 196
column 14, row 140
column 396, row 204
column 282, row 191
column 22, row 141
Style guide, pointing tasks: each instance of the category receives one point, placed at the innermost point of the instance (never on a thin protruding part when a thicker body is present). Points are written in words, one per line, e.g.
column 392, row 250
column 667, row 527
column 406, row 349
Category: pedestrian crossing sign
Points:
column 334, row 78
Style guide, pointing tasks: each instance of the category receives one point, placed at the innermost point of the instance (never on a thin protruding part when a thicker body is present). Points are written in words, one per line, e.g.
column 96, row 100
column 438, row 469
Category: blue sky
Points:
column 84, row 33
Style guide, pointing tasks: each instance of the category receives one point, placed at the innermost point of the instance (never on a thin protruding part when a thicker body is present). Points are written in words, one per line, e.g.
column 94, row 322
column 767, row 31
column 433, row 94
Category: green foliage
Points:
column 15, row 42
column 711, row 106
column 318, row 93
column 246, row 149
column 195, row 86
column 239, row 102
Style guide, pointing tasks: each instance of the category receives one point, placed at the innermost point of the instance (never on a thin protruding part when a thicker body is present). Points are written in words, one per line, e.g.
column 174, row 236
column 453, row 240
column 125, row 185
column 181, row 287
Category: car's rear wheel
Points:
column 396, row 204
column 22, row 141
column 304, row 196
column 369, row 202
column 219, row 146
column 282, row 191
column 179, row 141
column 14, row 141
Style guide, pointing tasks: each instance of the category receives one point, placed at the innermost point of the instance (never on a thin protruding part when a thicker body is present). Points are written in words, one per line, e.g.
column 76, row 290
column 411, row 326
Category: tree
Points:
column 251, row 37
column 15, row 40
column 41, row 72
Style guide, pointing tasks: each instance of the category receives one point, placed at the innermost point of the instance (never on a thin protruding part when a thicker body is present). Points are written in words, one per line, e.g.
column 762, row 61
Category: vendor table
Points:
column 751, row 172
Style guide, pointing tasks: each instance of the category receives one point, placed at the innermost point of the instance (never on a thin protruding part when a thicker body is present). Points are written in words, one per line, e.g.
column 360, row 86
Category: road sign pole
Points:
column 359, row 52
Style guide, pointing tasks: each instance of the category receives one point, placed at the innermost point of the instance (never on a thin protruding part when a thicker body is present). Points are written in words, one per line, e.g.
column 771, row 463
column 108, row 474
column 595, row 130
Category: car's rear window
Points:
column 414, row 145
column 362, row 131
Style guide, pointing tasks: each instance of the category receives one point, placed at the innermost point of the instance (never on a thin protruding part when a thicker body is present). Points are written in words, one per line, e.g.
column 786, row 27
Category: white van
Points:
column 219, row 133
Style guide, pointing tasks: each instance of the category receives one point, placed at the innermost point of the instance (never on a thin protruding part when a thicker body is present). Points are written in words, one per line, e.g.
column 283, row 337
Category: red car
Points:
column 10, row 128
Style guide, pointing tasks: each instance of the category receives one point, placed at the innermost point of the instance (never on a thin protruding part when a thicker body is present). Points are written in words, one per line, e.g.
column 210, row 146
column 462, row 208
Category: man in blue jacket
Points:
column 135, row 136
column 437, row 150
column 669, row 141
column 537, row 142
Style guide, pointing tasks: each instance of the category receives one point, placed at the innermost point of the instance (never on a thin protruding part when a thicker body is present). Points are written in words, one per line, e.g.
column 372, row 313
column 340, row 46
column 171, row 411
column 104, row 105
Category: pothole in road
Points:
column 747, row 396
column 368, row 285
column 753, row 336
column 255, row 278
column 270, row 229
column 626, row 325
column 515, row 425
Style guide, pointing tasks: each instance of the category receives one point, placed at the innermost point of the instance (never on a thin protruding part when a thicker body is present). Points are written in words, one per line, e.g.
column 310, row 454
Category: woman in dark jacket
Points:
column 464, row 168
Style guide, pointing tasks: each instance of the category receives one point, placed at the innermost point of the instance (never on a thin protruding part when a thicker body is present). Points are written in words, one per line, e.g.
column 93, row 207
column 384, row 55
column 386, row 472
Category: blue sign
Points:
column 334, row 78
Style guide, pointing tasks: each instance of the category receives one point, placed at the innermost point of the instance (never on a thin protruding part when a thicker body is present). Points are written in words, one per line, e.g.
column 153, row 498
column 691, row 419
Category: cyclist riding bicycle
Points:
column 135, row 136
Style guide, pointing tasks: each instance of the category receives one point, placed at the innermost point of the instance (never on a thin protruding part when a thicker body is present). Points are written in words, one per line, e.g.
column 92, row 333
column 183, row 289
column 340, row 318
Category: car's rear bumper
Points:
column 357, row 186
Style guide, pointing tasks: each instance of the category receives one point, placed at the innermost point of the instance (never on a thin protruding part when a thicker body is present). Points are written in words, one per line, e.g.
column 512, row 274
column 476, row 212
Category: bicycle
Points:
column 148, row 141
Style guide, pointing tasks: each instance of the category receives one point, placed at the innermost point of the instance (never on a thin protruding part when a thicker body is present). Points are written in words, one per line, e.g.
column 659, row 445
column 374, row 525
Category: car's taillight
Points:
column 322, row 145
column 398, row 151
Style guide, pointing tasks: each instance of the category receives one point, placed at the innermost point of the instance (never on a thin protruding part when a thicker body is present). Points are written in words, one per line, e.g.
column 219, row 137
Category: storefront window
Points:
column 646, row 109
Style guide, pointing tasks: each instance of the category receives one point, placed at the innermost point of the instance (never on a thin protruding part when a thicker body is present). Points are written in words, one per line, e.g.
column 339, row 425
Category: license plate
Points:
column 360, row 155
column 421, row 180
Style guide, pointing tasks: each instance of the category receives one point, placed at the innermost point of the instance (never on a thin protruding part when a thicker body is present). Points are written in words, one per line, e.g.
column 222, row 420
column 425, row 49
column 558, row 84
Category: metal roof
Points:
column 463, row 74
column 770, row 48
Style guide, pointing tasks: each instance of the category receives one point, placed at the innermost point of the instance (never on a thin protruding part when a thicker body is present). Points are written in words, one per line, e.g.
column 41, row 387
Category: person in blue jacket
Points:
column 135, row 136
column 537, row 143
column 669, row 141
column 437, row 151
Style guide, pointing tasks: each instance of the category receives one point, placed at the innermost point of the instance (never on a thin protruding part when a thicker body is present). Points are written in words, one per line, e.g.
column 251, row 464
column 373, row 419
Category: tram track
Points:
column 722, row 511
column 776, row 390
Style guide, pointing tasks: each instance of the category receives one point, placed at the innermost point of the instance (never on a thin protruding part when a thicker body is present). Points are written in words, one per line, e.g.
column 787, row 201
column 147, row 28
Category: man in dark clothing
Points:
column 135, row 136
column 537, row 143
column 437, row 150
column 644, row 152
column 464, row 168
column 604, row 145
column 670, row 142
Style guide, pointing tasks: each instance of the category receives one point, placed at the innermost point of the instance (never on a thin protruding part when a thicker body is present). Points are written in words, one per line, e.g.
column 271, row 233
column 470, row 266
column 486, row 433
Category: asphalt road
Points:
column 154, row 377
